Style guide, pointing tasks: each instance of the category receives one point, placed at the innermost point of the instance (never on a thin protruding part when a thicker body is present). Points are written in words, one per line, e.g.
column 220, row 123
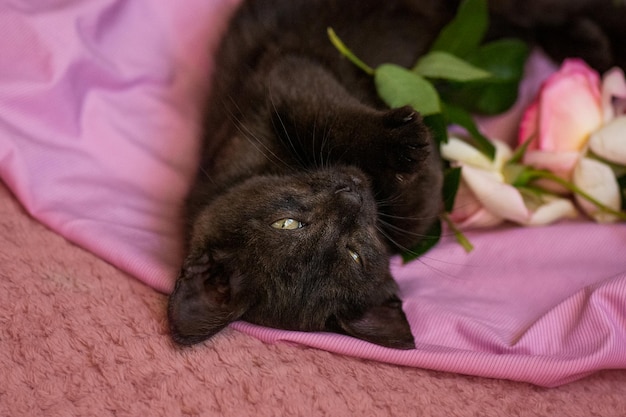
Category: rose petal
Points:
column 613, row 85
column 610, row 141
column 502, row 200
column 528, row 127
column 597, row 179
column 465, row 204
column 559, row 163
column 458, row 150
column 469, row 213
column 566, row 110
column 503, row 154
column 570, row 108
column 480, row 219
column 554, row 209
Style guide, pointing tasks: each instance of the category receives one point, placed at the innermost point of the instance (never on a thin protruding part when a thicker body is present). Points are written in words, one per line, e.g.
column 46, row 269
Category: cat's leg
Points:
column 404, row 164
column 321, row 120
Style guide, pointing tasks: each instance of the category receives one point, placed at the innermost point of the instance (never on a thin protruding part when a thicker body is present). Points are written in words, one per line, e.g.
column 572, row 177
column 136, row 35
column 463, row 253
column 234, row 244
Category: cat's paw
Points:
column 406, row 143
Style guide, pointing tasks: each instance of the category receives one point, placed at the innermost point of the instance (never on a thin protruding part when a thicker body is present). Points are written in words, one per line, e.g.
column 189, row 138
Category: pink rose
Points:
column 572, row 95
column 574, row 112
column 566, row 111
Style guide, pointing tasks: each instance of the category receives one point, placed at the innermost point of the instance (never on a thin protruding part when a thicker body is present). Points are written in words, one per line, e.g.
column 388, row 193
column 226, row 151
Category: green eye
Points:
column 355, row 256
column 288, row 224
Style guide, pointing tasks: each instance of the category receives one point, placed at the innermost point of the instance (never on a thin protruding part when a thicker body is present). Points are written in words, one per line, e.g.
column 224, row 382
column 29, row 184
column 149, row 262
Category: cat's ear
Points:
column 202, row 302
column 383, row 324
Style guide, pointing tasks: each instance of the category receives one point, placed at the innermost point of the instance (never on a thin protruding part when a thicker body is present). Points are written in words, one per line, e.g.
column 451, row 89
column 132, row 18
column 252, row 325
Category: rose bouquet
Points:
column 570, row 157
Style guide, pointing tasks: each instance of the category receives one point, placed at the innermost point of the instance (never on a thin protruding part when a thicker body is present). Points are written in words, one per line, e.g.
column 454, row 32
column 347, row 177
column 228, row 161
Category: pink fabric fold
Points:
column 99, row 112
column 99, row 115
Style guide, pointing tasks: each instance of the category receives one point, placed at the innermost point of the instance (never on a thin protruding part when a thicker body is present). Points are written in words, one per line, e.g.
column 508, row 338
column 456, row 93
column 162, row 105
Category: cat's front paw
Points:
column 406, row 143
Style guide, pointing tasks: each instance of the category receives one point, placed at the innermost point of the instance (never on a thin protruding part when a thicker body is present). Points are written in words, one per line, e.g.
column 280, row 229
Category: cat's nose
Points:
column 356, row 180
column 349, row 194
column 351, row 183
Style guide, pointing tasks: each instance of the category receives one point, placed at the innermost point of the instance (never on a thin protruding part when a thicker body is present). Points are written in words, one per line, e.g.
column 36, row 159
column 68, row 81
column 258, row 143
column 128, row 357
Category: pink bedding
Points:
column 99, row 108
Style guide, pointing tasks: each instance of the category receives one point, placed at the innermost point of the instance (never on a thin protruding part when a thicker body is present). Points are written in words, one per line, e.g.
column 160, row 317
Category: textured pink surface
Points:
column 98, row 124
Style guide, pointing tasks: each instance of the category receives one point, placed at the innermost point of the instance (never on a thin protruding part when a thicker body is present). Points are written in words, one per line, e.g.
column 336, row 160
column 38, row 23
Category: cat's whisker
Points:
column 283, row 127
column 400, row 230
column 324, row 150
column 314, row 135
column 411, row 218
column 421, row 258
column 398, row 246
column 261, row 147
column 295, row 153
column 331, row 150
column 207, row 175
column 254, row 140
column 389, row 201
column 391, row 216
column 326, row 162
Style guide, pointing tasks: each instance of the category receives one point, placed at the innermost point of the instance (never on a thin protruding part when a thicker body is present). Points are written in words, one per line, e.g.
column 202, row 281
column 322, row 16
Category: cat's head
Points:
column 298, row 252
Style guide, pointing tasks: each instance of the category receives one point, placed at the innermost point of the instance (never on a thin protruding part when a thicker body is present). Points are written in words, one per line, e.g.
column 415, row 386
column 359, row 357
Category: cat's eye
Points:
column 287, row 224
column 355, row 256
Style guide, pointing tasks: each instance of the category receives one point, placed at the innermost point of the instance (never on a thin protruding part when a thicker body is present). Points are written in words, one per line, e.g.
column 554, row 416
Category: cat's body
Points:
column 307, row 182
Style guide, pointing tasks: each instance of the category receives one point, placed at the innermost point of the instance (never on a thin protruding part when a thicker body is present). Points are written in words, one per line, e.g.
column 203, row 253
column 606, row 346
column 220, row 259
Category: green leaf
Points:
column 458, row 234
column 451, row 182
column 345, row 51
column 438, row 127
column 433, row 236
column 516, row 174
column 398, row 87
column 519, row 153
column 459, row 116
column 504, row 60
column 466, row 31
column 439, row 64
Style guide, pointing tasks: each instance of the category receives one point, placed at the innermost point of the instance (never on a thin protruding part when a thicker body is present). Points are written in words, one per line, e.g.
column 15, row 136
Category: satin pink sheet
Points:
column 99, row 108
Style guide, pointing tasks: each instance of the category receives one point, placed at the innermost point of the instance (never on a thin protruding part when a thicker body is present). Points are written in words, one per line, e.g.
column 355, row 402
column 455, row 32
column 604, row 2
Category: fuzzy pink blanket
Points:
column 98, row 137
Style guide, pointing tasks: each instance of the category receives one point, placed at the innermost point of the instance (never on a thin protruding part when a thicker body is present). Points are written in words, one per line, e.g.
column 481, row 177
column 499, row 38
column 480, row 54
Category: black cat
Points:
column 307, row 182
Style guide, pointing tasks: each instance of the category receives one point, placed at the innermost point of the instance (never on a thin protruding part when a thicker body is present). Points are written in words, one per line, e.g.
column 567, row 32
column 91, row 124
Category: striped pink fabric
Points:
column 99, row 108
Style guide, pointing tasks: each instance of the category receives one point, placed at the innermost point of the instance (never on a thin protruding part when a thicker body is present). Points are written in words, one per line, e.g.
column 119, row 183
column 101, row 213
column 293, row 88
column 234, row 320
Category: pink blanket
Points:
column 98, row 136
